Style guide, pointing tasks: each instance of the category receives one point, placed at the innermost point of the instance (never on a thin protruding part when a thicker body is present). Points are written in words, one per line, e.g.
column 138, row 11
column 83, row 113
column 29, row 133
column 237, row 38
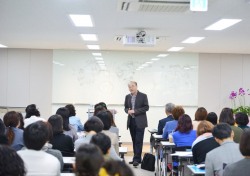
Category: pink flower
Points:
column 233, row 95
column 241, row 92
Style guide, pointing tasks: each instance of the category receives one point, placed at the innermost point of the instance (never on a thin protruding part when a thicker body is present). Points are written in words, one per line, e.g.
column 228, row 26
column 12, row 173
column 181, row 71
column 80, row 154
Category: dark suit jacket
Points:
column 162, row 123
column 141, row 106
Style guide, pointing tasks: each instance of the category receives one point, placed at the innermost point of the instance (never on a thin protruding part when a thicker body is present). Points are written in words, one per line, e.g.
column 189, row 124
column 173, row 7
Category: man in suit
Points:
column 228, row 152
column 168, row 110
column 136, row 106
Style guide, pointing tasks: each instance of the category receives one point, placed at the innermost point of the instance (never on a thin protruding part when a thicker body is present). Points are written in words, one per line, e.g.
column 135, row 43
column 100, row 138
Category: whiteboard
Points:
column 77, row 78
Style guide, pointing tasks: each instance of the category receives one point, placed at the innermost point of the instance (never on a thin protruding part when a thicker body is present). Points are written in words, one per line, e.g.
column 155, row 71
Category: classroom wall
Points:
column 26, row 77
column 219, row 74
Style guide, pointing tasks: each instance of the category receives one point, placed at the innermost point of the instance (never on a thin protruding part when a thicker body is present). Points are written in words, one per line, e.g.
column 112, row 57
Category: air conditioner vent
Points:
column 154, row 5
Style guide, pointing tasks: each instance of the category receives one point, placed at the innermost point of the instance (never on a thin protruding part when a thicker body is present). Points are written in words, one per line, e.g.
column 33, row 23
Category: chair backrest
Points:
column 183, row 148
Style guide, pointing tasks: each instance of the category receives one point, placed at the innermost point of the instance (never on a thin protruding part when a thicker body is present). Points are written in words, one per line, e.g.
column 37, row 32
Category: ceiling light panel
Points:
column 162, row 55
column 223, row 24
column 94, row 47
column 2, row 46
column 97, row 54
column 98, row 58
column 193, row 40
column 155, row 59
column 175, row 48
column 81, row 20
column 89, row 37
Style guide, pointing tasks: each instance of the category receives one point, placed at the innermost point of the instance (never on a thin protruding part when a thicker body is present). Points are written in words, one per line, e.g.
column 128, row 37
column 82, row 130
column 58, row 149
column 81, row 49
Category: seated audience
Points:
column 11, row 164
column 3, row 138
column 171, row 126
column 241, row 167
column 32, row 115
column 200, row 114
column 226, row 116
column 204, row 142
column 212, row 117
column 242, row 120
column 21, row 126
column 100, row 107
column 115, row 168
column 38, row 162
column 89, row 160
column 48, row 147
column 93, row 126
column 67, row 128
column 60, row 141
column 184, row 134
column 113, row 127
column 13, row 133
column 228, row 152
column 104, row 117
column 168, row 110
column 73, row 119
column 104, row 143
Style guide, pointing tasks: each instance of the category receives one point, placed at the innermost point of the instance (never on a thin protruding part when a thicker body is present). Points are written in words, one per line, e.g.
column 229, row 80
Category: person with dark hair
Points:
column 204, row 142
column 73, row 119
column 89, row 160
column 184, row 134
column 212, row 117
column 136, row 106
column 48, row 147
column 3, row 138
column 93, row 126
column 241, row 167
column 242, row 120
column 13, row 133
column 115, row 168
column 32, row 115
column 226, row 116
column 113, row 127
column 200, row 114
column 168, row 110
column 228, row 152
column 38, row 162
column 171, row 125
column 67, row 128
column 11, row 164
column 99, row 107
column 104, row 143
column 60, row 141
column 21, row 126
column 104, row 117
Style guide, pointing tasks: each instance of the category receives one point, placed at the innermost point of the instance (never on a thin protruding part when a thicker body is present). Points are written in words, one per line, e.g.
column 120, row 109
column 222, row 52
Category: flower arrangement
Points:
column 240, row 95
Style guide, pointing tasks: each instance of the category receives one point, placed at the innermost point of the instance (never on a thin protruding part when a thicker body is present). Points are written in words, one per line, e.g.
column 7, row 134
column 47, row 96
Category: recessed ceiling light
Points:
column 155, row 59
column 175, row 48
column 138, row 69
column 193, row 39
column 3, row 46
column 162, row 55
column 100, row 62
column 97, row 54
column 94, row 47
column 58, row 63
column 222, row 24
column 149, row 62
column 81, row 20
column 98, row 58
column 89, row 37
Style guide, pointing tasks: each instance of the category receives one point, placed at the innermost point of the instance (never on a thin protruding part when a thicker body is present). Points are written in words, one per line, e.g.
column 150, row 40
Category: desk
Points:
column 69, row 160
column 181, row 156
column 195, row 170
column 152, row 131
column 122, row 151
column 166, row 146
column 157, row 139
column 67, row 174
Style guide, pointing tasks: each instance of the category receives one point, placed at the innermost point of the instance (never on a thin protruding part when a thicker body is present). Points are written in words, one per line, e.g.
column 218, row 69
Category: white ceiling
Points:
column 45, row 24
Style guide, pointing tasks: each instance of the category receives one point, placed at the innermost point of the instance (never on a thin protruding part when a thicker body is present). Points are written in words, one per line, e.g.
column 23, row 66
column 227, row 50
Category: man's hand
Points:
column 131, row 111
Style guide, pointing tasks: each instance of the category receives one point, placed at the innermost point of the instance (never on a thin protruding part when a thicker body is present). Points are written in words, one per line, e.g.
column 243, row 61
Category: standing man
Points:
column 136, row 105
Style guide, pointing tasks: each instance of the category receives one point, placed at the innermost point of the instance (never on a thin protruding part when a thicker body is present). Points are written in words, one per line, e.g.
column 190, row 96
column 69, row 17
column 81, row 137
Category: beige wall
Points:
column 26, row 77
column 219, row 74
